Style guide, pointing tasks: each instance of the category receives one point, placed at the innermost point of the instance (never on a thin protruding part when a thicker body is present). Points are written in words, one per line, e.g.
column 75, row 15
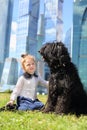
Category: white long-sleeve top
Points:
column 27, row 87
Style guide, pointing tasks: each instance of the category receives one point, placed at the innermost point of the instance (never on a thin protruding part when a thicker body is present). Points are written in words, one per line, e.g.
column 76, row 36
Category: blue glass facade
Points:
column 68, row 42
column 27, row 27
column 40, row 34
column 6, row 10
column 79, row 54
column 10, row 71
column 9, row 75
column 53, row 20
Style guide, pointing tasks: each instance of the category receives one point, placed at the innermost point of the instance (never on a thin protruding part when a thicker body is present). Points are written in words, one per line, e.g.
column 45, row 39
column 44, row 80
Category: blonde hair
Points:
column 25, row 57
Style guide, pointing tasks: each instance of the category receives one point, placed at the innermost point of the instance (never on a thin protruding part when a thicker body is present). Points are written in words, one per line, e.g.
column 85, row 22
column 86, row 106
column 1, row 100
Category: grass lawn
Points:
column 34, row 120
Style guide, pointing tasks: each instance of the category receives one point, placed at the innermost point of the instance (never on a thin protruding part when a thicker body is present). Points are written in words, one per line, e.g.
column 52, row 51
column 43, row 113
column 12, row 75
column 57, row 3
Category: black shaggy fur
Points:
column 66, row 93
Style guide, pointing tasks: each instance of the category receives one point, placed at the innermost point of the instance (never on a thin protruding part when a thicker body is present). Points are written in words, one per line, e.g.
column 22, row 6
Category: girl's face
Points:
column 30, row 66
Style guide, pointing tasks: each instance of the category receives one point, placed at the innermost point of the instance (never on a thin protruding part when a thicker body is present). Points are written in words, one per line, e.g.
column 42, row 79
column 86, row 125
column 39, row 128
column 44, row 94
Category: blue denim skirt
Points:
column 28, row 104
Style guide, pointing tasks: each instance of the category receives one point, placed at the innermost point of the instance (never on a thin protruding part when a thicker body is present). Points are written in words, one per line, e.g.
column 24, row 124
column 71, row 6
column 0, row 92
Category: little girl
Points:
column 25, row 89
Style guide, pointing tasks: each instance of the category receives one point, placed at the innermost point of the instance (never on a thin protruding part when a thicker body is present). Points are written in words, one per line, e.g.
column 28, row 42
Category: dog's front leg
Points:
column 51, row 102
column 63, row 105
column 49, row 107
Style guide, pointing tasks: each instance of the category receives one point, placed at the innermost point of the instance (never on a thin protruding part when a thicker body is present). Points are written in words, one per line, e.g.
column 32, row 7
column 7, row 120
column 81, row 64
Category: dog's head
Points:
column 55, row 54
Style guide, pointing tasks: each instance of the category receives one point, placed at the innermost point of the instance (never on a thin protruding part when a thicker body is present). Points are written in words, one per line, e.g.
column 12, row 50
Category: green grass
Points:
column 34, row 120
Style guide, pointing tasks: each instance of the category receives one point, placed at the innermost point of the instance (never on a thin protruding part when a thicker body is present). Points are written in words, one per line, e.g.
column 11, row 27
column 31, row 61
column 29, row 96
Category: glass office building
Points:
column 68, row 41
column 53, row 24
column 9, row 75
column 79, row 53
column 27, row 27
column 6, row 10
column 53, row 20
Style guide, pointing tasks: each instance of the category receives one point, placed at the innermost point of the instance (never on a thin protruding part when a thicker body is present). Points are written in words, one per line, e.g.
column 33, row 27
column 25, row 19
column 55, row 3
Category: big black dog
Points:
column 66, row 93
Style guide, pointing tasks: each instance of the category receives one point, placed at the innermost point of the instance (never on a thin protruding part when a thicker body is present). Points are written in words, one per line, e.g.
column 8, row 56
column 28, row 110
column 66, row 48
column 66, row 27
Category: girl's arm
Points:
column 16, row 90
column 43, row 82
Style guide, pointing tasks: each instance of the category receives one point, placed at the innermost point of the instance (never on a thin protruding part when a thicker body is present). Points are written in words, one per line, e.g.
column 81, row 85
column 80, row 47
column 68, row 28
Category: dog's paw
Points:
column 47, row 110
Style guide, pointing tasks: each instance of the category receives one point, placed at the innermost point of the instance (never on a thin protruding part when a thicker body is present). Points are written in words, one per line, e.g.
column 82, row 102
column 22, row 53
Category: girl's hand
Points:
column 10, row 102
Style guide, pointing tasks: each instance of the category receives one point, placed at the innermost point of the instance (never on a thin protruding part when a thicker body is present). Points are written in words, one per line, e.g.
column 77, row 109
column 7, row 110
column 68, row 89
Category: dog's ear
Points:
column 64, row 60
